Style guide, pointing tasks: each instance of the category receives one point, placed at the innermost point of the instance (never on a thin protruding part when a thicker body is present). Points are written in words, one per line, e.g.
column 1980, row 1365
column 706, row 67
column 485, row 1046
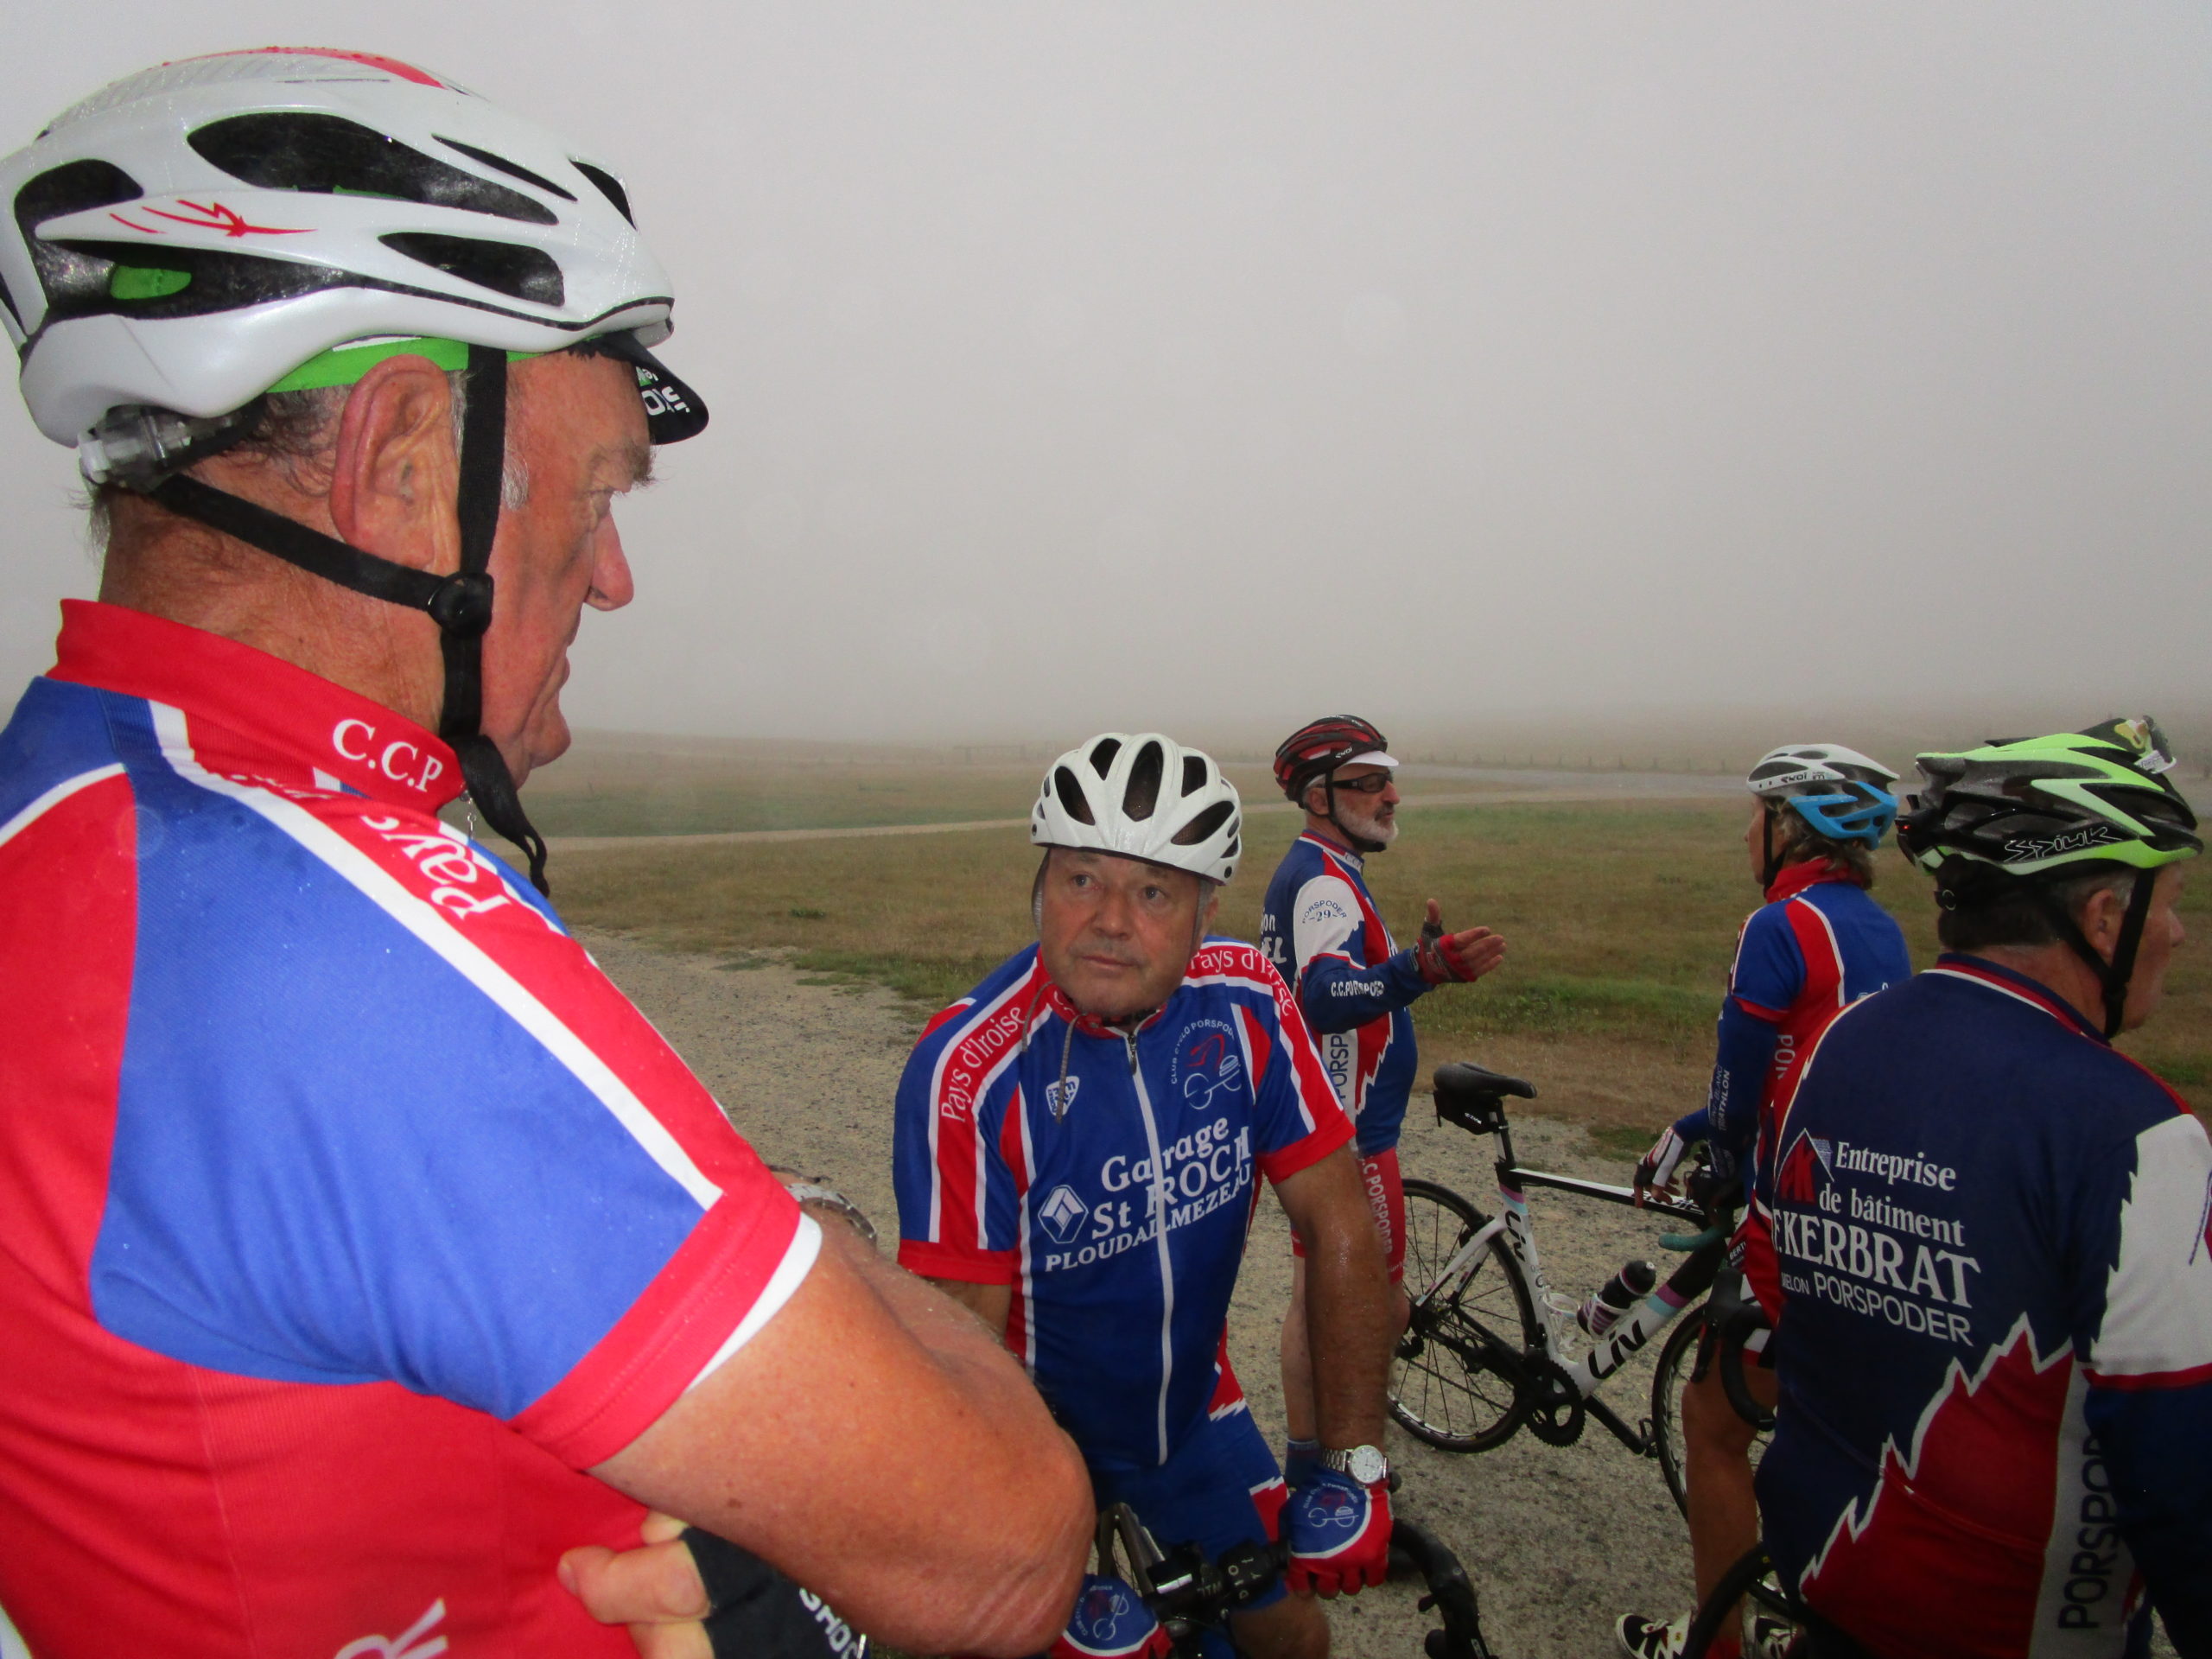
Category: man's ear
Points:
column 2102, row 912
column 1213, row 908
column 394, row 472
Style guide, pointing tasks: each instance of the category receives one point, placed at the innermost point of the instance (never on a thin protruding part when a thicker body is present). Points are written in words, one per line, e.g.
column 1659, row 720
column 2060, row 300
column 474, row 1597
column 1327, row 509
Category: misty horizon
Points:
column 1578, row 368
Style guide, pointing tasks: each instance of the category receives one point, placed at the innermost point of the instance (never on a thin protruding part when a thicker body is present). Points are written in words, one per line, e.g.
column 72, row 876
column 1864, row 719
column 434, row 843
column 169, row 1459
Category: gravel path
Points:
column 1558, row 1541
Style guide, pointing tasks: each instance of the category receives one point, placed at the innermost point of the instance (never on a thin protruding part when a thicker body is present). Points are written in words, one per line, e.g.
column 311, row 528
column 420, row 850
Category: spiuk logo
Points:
column 1059, row 1095
column 2023, row 847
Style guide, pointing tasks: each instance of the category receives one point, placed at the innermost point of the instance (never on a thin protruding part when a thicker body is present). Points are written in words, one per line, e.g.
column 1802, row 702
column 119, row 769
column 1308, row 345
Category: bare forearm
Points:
column 877, row 1445
column 1348, row 1330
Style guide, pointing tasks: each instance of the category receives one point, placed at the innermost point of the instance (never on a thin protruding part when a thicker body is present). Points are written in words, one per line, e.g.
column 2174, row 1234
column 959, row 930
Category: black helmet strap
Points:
column 2114, row 974
column 460, row 604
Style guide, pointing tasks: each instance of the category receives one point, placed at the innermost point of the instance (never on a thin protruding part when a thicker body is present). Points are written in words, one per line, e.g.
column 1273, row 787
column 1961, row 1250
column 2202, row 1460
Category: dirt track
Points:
column 1557, row 1540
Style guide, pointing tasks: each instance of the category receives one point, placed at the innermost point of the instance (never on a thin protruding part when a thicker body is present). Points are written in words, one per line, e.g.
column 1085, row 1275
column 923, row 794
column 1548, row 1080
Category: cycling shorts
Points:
column 1386, row 1196
column 1220, row 1488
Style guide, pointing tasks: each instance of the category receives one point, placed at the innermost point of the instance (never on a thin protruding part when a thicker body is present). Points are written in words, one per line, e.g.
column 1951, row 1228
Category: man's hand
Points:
column 1657, row 1167
column 1110, row 1621
column 1339, row 1533
column 1455, row 957
column 655, row 1589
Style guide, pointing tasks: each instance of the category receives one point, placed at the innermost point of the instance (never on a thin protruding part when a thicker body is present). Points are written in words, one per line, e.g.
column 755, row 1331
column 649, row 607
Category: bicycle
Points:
column 1190, row 1595
column 1486, row 1348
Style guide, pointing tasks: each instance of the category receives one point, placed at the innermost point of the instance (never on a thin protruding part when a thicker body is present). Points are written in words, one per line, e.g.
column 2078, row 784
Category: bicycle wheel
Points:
column 1453, row 1382
column 1676, row 1361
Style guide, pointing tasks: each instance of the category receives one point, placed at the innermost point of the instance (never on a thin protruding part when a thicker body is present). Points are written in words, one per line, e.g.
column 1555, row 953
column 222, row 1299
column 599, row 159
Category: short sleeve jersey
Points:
column 1109, row 1179
column 1322, row 931
column 348, row 1213
column 1996, row 1353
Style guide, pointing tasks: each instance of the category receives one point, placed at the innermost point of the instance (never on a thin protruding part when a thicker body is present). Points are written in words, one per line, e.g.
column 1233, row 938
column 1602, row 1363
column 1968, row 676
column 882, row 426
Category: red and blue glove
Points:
column 1110, row 1621
column 1339, row 1533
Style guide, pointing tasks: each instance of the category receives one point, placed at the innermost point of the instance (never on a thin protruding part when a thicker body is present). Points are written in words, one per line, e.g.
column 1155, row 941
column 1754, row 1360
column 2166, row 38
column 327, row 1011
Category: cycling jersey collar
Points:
column 1334, row 848
column 1089, row 1024
column 2012, row 983
column 335, row 736
column 1796, row 878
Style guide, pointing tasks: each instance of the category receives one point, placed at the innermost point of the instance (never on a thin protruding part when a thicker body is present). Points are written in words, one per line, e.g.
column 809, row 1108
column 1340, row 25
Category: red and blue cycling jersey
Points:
column 1817, row 946
column 1996, row 1362
column 1323, row 933
column 1109, row 1177
column 348, row 1213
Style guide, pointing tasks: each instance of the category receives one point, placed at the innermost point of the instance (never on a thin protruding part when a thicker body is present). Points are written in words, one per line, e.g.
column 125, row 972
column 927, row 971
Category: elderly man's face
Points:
column 1115, row 933
column 576, row 434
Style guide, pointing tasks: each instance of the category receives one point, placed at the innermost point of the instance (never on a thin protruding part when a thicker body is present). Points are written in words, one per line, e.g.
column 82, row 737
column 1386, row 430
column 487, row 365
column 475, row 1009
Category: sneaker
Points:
column 1643, row 1638
column 1770, row 1637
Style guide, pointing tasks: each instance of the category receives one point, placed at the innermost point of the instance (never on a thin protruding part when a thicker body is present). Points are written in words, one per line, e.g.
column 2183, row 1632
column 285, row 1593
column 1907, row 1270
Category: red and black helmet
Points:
column 1314, row 750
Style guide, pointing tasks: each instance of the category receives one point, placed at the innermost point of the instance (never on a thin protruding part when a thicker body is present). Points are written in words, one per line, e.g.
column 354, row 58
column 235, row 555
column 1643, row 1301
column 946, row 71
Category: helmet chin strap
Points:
column 2114, row 975
column 1769, row 855
column 460, row 604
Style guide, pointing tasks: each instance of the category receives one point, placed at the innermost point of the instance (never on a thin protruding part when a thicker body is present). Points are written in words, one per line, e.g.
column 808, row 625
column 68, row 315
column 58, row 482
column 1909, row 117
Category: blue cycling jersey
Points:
column 1995, row 1355
column 1108, row 1177
column 1355, row 988
column 1817, row 946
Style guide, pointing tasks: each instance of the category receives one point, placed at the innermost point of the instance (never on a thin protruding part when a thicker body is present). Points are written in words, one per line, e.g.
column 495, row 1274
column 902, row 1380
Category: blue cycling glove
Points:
column 1340, row 1533
column 1110, row 1621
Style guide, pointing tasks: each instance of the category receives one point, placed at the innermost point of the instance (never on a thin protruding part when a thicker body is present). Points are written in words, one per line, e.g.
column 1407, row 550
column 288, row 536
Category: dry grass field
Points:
column 1621, row 919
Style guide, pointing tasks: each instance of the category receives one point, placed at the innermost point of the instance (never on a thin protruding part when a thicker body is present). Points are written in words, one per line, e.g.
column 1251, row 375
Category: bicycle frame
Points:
column 1635, row 1328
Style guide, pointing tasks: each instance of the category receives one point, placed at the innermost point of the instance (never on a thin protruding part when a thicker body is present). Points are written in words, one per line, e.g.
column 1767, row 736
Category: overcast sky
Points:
column 1076, row 363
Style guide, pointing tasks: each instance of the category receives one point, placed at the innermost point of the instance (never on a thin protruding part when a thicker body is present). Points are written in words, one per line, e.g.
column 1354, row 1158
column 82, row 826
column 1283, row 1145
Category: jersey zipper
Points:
column 1159, row 1236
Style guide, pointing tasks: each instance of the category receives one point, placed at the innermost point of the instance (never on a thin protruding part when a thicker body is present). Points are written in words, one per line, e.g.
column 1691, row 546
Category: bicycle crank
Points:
column 1555, row 1407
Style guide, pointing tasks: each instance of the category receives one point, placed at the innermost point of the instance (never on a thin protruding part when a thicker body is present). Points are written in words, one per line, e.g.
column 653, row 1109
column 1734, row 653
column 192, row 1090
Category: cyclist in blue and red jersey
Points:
column 1990, row 1243
column 1080, row 1143
column 1321, row 930
column 362, row 1248
column 1819, row 943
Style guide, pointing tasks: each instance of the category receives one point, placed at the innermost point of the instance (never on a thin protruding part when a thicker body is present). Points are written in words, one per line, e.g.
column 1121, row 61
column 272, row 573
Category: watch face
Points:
column 1366, row 1465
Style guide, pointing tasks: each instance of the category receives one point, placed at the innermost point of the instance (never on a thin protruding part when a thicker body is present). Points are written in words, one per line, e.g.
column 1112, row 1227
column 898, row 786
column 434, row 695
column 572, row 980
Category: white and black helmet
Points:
column 195, row 237
column 186, row 238
column 1141, row 795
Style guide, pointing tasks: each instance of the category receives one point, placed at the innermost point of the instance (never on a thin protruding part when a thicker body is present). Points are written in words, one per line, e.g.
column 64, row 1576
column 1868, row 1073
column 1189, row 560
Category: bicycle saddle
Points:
column 1462, row 1079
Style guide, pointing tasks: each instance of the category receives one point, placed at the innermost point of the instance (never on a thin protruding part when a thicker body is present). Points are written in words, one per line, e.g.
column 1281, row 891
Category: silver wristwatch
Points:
column 1364, row 1464
column 834, row 1201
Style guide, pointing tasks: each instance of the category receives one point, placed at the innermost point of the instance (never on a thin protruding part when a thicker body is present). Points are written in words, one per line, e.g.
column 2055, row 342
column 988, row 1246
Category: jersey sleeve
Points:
column 363, row 1135
column 1769, row 974
column 2144, row 1317
column 1744, row 1046
column 958, row 1209
column 1299, row 1121
column 1335, row 993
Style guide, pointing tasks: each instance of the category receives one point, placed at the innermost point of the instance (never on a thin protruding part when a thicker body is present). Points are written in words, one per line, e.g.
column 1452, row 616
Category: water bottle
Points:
column 1619, row 1294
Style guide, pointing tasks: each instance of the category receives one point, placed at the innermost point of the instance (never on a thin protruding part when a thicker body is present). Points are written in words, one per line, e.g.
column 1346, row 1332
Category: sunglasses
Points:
column 1374, row 784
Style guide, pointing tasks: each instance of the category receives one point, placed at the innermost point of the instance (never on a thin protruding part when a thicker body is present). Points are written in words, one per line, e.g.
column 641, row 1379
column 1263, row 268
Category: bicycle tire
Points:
column 1672, row 1376
column 1446, row 1387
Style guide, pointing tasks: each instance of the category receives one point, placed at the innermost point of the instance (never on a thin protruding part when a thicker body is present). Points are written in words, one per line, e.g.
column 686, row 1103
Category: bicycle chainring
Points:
column 1555, row 1410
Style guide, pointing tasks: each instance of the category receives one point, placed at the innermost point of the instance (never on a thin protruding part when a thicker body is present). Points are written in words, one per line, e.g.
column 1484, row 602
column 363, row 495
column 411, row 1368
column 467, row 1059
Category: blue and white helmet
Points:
column 1839, row 792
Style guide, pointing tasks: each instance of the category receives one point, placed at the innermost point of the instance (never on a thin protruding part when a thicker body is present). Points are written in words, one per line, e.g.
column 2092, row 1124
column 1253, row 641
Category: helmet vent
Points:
column 1142, row 792
column 1072, row 796
column 72, row 278
column 1201, row 827
column 1194, row 773
column 1102, row 753
column 609, row 186
column 328, row 155
column 509, row 268
column 512, row 169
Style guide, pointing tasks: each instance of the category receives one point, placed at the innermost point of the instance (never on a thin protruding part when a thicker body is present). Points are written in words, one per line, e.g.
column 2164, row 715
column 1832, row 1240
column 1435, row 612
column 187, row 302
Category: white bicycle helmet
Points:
column 200, row 234
column 189, row 237
column 1143, row 796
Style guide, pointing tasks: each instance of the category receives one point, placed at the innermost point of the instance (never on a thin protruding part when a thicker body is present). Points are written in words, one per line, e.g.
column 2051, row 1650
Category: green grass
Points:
column 1621, row 921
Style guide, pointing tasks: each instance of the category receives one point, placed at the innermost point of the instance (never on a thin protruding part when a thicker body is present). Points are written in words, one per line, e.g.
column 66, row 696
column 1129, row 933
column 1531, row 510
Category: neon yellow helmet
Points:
column 2042, row 806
